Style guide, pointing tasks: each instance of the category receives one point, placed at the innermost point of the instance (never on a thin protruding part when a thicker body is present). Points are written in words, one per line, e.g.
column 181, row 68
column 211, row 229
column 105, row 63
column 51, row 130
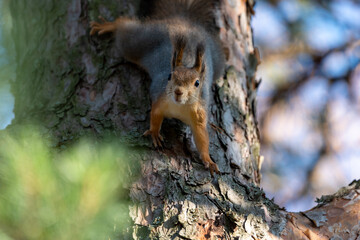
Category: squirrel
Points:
column 179, row 48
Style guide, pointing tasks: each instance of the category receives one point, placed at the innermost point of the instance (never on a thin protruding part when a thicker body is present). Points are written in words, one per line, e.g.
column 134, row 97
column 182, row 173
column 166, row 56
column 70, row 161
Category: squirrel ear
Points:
column 203, row 69
column 199, row 65
column 178, row 51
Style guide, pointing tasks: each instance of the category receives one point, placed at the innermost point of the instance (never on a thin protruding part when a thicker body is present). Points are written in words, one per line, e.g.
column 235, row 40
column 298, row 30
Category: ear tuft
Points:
column 179, row 46
column 199, row 64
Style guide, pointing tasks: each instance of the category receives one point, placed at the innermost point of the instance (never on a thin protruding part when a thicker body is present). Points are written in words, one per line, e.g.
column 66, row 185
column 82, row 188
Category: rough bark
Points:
column 335, row 217
column 78, row 85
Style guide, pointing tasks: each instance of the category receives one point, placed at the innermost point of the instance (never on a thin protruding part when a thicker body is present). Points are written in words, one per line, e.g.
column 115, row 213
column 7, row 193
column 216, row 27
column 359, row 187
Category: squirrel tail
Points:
column 197, row 11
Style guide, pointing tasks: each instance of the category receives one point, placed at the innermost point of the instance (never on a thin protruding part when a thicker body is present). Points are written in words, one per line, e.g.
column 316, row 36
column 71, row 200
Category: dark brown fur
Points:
column 199, row 11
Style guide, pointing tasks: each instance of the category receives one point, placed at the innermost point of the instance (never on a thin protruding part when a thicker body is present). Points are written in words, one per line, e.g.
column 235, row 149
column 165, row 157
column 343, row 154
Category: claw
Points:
column 214, row 168
column 101, row 32
column 156, row 138
column 209, row 164
column 102, row 27
column 102, row 19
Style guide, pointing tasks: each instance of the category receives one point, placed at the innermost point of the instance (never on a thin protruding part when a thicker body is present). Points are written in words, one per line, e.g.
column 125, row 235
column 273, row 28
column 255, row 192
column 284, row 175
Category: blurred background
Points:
column 68, row 194
column 309, row 98
column 308, row 112
column 6, row 72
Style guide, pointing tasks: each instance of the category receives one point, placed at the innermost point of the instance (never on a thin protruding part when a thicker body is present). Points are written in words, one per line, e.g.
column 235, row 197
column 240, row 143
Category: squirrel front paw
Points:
column 102, row 28
column 209, row 164
column 156, row 137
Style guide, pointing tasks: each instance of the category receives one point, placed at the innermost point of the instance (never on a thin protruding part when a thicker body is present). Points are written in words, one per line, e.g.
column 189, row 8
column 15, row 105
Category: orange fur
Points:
column 184, row 25
column 108, row 27
column 201, row 137
column 156, row 119
column 194, row 115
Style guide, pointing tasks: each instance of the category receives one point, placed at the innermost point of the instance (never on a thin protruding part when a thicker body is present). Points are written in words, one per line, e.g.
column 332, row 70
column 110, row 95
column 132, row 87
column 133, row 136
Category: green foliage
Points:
column 76, row 193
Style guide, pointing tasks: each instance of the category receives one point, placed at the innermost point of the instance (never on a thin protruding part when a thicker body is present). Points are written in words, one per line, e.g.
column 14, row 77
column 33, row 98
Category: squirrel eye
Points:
column 197, row 83
column 169, row 77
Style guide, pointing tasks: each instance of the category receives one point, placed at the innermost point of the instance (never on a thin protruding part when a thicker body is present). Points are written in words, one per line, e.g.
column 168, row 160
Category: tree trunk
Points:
column 77, row 85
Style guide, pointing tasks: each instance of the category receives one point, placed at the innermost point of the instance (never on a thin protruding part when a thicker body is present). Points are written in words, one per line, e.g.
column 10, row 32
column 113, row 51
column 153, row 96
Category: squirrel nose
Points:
column 178, row 92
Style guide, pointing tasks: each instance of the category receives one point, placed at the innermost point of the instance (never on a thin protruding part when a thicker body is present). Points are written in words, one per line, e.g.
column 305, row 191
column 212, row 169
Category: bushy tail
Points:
column 197, row 11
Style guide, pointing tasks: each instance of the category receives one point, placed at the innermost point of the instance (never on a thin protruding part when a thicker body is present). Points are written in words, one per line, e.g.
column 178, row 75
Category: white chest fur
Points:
column 183, row 112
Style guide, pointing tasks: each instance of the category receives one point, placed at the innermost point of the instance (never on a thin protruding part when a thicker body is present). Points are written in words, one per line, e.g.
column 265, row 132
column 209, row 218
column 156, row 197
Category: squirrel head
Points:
column 184, row 86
